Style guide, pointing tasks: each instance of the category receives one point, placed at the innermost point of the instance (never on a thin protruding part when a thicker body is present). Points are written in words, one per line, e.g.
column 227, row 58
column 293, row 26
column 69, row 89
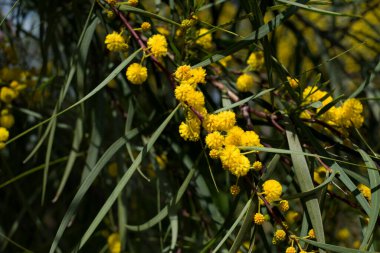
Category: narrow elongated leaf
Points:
column 124, row 180
column 332, row 248
column 305, row 182
column 313, row 9
column 374, row 181
column 124, row 7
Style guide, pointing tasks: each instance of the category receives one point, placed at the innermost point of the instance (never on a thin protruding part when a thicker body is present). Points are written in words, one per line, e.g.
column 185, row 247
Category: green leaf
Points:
column 305, row 182
column 86, row 185
column 313, row 9
column 124, row 180
column 124, row 7
column 245, row 100
column 374, row 181
column 332, row 248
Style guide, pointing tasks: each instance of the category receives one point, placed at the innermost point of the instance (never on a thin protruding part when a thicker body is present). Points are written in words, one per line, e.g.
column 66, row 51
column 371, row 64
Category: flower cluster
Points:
column 245, row 82
column 115, row 42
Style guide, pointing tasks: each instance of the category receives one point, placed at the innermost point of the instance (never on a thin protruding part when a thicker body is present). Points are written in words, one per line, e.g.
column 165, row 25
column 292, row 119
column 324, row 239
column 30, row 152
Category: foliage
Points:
column 189, row 126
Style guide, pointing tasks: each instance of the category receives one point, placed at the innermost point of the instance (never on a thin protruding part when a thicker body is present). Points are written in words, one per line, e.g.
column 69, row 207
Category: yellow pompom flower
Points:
column 204, row 38
column 183, row 73
column 6, row 119
column 115, row 42
column 136, row 73
column 224, row 61
column 198, row 75
column 258, row 218
column 158, row 45
column 293, row 82
column 312, row 94
column 350, row 114
column 280, row 235
column 234, row 161
column 145, row 26
column 4, row 134
column 234, row 190
column 255, row 60
column 272, row 190
column 245, row 82
column 190, row 131
column 214, row 153
column 114, row 244
column 222, row 121
column 234, row 136
column 214, row 140
column 7, row 95
column 187, row 94
column 290, row 250
column 283, row 206
column 250, row 139
column 311, row 234
column 133, row 2
column 365, row 190
column 257, row 165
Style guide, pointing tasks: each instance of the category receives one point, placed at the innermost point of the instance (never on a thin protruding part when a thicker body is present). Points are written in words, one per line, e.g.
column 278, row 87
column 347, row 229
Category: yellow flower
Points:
column 234, row 190
column 204, row 38
column 133, row 2
column 343, row 234
column 251, row 139
column 4, row 134
column 158, row 45
column 6, row 119
column 214, row 140
column 258, row 218
column 222, row 121
column 255, row 60
column 272, row 190
column 190, row 130
column 311, row 234
column 293, row 82
column 214, row 153
column 16, row 86
column 2, row 145
column 234, row 136
column 245, row 82
column 114, row 244
column 292, row 216
column 257, row 165
column 111, row 2
column 145, row 26
column 136, row 73
column 283, row 206
column 187, row 94
column 280, row 235
column 183, row 72
column 198, row 75
column 7, row 95
column 224, row 61
column 163, row 30
column 312, row 94
column 115, row 42
column 349, row 114
column 290, row 250
column 234, row 161
column 365, row 190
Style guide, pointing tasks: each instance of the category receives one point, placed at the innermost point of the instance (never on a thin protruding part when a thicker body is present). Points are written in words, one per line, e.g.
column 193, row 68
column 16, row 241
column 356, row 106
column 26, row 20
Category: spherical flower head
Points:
column 234, row 136
column 145, row 26
column 7, row 95
column 250, row 139
column 198, row 75
column 245, row 82
column 311, row 234
column 136, row 73
column 181, row 92
column 290, row 250
column 115, row 42
column 283, row 205
column 158, row 45
column 234, row 190
column 343, row 234
column 293, row 82
column 365, row 190
column 280, row 235
column 224, row 61
column 214, row 140
column 258, row 218
column 312, row 94
column 190, row 130
column 6, row 119
column 214, row 153
column 256, row 60
column 163, row 30
column 204, row 38
column 240, row 168
column 114, row 244
column 257, row 165
column 292, row 216
column 272, row 190
column 4, row 134
column 183, row 73
column 133, row 2
column 351, row 113
column 187, row 94
column 187, row 23
column 222, row 121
